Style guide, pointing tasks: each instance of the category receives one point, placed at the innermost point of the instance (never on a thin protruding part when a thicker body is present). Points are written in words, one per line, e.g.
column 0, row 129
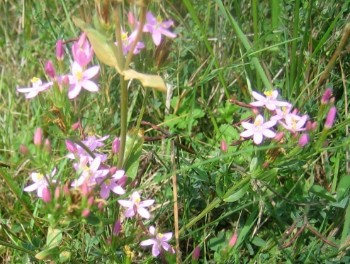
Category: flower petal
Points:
column 143, row 213
column 268, row 133
column 74, row 91
column 91, row 72
column 125, row 203
column 89, row 85
column 155, row 250
column 258, row 137
column 148, row 242
column 247, row 133
column 146, row 203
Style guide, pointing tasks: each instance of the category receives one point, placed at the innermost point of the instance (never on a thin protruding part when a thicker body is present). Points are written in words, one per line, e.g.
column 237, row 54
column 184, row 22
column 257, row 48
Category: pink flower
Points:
column 116, row 145
column 40, row 182
column 50, row 69
column 258, row 129
column 294, row 123
column 158, row 242
column 270, row 101
column 38, row 87
column 88, row 173
column 82, row 51
column 80, row 78
column 127, row 42
column 330, row 117
column 281, row 113
column 326, row 96
column 38, row 136
column 157, row 28
column 135, row 205
column 111, row 184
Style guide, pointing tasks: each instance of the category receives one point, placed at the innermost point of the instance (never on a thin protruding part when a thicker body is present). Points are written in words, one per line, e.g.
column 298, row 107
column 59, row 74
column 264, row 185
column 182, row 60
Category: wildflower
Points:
column 158, row 242
column 50, row 69
column 157, row 28
column 303, row 140
column 135, row 205
column 330, row 117
column 223, row 146
column 294, row 123
column 38, row 86
column 233, row 239
column 116, row 145
column 258, row 129
column 59, row 50
column 127, row 42
column 82, row 51
column 281, row 113
column 326, row 96
column 270, row 101
column 196, row 253
column 47, row 145
column 46, row 195
column 111, row 184
column 38, row 136
column 40, row 182
column 81, row 79
column 117, row 228
column 88, row 173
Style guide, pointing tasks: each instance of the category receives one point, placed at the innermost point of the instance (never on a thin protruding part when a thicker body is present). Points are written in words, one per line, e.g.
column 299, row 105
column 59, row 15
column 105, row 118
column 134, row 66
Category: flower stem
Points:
column 123, row 120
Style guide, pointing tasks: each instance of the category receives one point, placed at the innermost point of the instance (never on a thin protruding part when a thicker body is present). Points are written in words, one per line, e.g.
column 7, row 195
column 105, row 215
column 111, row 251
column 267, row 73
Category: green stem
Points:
column 123, row 120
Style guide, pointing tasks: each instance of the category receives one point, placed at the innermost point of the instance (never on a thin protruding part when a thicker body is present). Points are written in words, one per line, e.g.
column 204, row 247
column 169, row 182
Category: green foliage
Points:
column 287, row 204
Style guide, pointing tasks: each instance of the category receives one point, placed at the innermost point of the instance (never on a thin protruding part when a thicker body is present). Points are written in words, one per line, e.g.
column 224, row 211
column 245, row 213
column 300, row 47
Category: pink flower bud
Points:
column 47, row 145
column 279, row 136
column 46, row 195
column 223, row 146
column 76, row 125
column 57, row 193
column 131, row 19
column 330, row 117
column 122, row 181
column 303, row 140
column 85, row 213
column 113, row 170
column 50, row 69
column 91, row 201
column 101, row 205
column 314, row 126
column 196, row 253
column 23, row 149
column 326, row 96
column 71, row 146
column 117, row 228
column 59, row 50
column 38, row 136
column 116, row 145
column 84, row 189
column 233, row 239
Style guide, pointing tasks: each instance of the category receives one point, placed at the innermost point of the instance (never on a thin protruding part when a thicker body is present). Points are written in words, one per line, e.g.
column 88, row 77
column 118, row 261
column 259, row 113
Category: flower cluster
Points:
column 154, row 25
column 282, row 113
column 80, row 76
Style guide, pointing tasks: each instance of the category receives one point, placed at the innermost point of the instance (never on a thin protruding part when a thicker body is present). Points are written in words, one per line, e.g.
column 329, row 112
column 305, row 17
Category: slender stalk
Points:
column 9, row 245
column 123, row 120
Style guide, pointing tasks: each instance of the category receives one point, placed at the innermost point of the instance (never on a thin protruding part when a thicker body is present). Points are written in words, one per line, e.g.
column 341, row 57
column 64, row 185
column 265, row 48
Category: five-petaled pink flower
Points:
column 158, row 242
column 157, row 28
column 80, row 78
column 135, row 205
column 38, row 86
column 127, row 42
column 270, row 101
column 258, row 129
column 111, row 184
column 82, row 51
column 40, row 182
column 294, row 123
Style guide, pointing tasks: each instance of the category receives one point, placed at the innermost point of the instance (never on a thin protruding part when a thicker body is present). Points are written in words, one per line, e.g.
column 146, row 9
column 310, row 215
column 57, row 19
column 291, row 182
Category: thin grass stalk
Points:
column 293, row 56
column 275, row 14
column 256, row 35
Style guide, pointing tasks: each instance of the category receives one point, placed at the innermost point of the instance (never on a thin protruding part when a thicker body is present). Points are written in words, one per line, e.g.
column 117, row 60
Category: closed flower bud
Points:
column 117, row 228
column 59, row 50
column 330, row 117
column 196, row 253
column 47, row 145
column 38, row 136
column 90, row 201
column 71, row 146
column 57, row 193
column 46, row 195
column 76, row 125
column 85, row 213
column 303, row 140
column 23, row 149
column 326, row 96
column 50, row 69
column 279, row 136
column 233, row 239
column 223, row 146
column 116, row 145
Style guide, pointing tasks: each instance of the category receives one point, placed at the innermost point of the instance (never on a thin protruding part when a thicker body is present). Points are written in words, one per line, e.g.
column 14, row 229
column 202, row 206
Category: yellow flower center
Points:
column 137, row 200
column 159, row 19
column 39, row 176
column 79, row 75
column 257, row 122
column 35, row 80
column 268, row 93
column 124, row 36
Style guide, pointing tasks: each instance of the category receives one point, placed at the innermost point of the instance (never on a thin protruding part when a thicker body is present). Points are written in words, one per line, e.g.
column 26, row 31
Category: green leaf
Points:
column 322, row 192
column 133, row 150
column 54, row 237
column 49, row 253
column 65, row 256
column 343, row 186
column 259, row 242
column 103, row 47
column 147, row 80
column 237, row 195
